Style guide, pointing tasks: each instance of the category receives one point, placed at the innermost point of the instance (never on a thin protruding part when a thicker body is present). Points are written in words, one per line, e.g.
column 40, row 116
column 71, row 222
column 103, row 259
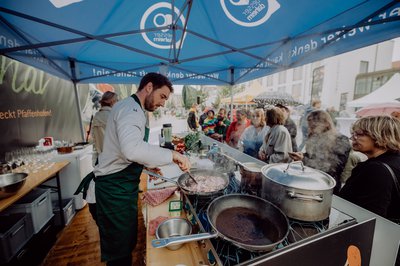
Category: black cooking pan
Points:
column 185, row 183
column 247, row 221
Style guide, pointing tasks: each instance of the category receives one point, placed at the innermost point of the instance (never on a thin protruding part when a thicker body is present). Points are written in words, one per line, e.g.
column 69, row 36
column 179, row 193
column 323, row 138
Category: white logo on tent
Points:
column 63, row 3
column 249, row 13
column 159, row 15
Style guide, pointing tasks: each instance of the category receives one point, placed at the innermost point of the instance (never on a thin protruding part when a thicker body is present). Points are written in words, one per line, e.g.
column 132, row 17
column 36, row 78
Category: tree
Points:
column 190, row 94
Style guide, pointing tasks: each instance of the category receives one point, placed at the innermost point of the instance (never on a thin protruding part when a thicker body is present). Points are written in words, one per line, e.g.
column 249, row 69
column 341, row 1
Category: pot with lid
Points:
column 301, row 192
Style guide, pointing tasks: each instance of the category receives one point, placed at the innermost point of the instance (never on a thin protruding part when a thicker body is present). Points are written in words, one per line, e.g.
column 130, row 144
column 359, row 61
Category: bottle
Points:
column 213, row 151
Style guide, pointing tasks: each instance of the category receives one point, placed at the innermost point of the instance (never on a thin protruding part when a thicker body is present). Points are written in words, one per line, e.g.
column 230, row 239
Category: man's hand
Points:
column 156, row 171
column 182, row 161
column 296, row 156
column 262, row 155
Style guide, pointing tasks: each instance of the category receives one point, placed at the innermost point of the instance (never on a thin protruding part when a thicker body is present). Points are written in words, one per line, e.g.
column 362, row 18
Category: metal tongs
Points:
column 165, row 178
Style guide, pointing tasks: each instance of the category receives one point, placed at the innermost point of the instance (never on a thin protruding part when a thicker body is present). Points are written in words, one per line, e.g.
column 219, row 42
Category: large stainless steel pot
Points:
column 301, row 192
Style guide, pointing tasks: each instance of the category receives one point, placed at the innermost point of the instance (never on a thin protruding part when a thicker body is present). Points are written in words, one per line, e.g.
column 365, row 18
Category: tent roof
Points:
column 191, row 41
column 388, row 92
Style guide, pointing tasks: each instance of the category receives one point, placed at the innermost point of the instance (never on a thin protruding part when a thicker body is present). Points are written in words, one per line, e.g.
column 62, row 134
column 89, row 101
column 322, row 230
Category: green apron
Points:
column 116, row 200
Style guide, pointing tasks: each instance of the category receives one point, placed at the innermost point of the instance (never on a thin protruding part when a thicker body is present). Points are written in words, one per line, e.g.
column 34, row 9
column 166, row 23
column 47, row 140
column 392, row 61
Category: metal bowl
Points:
column 174, row 227
column 11, row 183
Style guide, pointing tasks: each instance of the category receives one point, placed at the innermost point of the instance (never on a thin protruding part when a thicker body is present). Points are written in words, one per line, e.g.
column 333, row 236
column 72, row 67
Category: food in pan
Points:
column 205, row 183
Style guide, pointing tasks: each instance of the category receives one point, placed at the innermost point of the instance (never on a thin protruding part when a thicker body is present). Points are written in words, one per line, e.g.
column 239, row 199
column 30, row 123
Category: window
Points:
column 364, row 67
column 317, row 83
column 282, row 77
column 298, row 73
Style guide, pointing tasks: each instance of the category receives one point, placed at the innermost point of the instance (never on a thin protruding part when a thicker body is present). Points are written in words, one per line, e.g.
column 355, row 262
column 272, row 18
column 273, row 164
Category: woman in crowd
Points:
column 290, row 125
column 374, row 184
column 253, row 136
column 236, row 128
column 277, row 144
column 326, row 150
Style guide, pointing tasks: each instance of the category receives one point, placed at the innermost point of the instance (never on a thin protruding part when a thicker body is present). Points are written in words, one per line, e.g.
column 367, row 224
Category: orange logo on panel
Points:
column 353, row 256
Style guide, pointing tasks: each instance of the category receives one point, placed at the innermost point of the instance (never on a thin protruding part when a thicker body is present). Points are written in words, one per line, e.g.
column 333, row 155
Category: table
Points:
column 33, row 180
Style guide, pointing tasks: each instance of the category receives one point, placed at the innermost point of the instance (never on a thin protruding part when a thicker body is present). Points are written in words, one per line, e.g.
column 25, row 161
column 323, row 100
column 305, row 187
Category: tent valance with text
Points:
column 191, row 41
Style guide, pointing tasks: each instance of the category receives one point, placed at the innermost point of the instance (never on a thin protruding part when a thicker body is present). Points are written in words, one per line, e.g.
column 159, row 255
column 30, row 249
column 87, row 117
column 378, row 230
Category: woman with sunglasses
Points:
column 373, row 184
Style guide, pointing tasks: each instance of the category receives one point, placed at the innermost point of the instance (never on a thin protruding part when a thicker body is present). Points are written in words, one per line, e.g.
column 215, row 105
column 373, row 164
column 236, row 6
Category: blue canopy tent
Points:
column 220, row 42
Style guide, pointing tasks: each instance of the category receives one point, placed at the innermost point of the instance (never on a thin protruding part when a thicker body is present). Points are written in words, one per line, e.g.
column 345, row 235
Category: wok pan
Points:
column 246, row 221
column 184, row 182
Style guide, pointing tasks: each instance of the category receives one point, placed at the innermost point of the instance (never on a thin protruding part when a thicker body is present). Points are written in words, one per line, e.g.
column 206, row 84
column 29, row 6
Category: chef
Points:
column 125, row 153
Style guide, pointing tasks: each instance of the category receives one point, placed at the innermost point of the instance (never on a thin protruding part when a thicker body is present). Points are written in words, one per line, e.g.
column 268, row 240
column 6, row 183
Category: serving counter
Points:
column 33, row 180
column 376, row 239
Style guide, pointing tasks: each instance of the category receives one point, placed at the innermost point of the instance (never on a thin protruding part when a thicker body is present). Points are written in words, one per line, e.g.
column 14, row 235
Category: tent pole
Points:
column 78, row 105
column 232, row 72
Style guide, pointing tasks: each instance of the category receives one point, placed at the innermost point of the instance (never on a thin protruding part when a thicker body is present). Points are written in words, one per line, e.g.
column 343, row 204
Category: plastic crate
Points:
column 38, row 204
column 68, row 211
column 15, row 231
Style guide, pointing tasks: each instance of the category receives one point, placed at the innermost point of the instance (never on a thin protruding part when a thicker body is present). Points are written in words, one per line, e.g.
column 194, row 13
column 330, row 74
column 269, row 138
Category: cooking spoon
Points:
column 191, row 177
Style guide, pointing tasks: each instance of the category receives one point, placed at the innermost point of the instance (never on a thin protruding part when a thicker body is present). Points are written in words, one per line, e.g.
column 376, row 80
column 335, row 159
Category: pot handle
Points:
column 163, row 242
column 294, row 162
column 295, row 195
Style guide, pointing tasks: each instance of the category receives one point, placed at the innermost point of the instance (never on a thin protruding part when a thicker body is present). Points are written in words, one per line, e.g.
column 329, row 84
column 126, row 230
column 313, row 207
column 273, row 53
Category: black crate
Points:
column 15, row 231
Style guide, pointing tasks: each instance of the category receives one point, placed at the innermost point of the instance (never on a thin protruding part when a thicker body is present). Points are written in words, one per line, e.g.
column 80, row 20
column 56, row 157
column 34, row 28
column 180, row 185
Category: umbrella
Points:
column 274, row 98
column 379, row 109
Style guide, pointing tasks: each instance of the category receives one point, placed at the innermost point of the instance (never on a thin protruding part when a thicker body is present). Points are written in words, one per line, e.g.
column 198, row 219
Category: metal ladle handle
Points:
column 160, row 176
column 163, row 242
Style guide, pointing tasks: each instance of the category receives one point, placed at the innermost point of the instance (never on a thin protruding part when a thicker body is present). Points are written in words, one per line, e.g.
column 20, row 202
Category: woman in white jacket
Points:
column 254, row 135
column 277, row 143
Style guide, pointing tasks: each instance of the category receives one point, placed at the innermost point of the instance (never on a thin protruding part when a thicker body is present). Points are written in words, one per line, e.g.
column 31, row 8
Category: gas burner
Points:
column 225, row 253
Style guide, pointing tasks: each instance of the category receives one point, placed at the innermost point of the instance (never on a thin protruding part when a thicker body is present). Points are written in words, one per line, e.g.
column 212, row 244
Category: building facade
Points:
column 338, row 79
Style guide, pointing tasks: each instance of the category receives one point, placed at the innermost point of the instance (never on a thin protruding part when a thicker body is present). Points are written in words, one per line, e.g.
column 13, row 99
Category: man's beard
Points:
column 149, row 104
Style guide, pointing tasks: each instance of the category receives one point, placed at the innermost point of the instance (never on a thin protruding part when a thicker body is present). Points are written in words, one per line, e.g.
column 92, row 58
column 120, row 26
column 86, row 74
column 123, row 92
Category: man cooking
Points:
column 125, row 153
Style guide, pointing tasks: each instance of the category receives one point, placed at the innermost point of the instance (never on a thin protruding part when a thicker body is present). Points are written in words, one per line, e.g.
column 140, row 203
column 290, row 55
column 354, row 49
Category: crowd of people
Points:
column 366, row 167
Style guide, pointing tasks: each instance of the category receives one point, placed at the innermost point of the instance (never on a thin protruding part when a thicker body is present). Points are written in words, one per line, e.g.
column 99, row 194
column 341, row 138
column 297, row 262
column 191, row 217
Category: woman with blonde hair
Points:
column 326, row 149
column 253, row 136
column 374, row 184
column 277, row 144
